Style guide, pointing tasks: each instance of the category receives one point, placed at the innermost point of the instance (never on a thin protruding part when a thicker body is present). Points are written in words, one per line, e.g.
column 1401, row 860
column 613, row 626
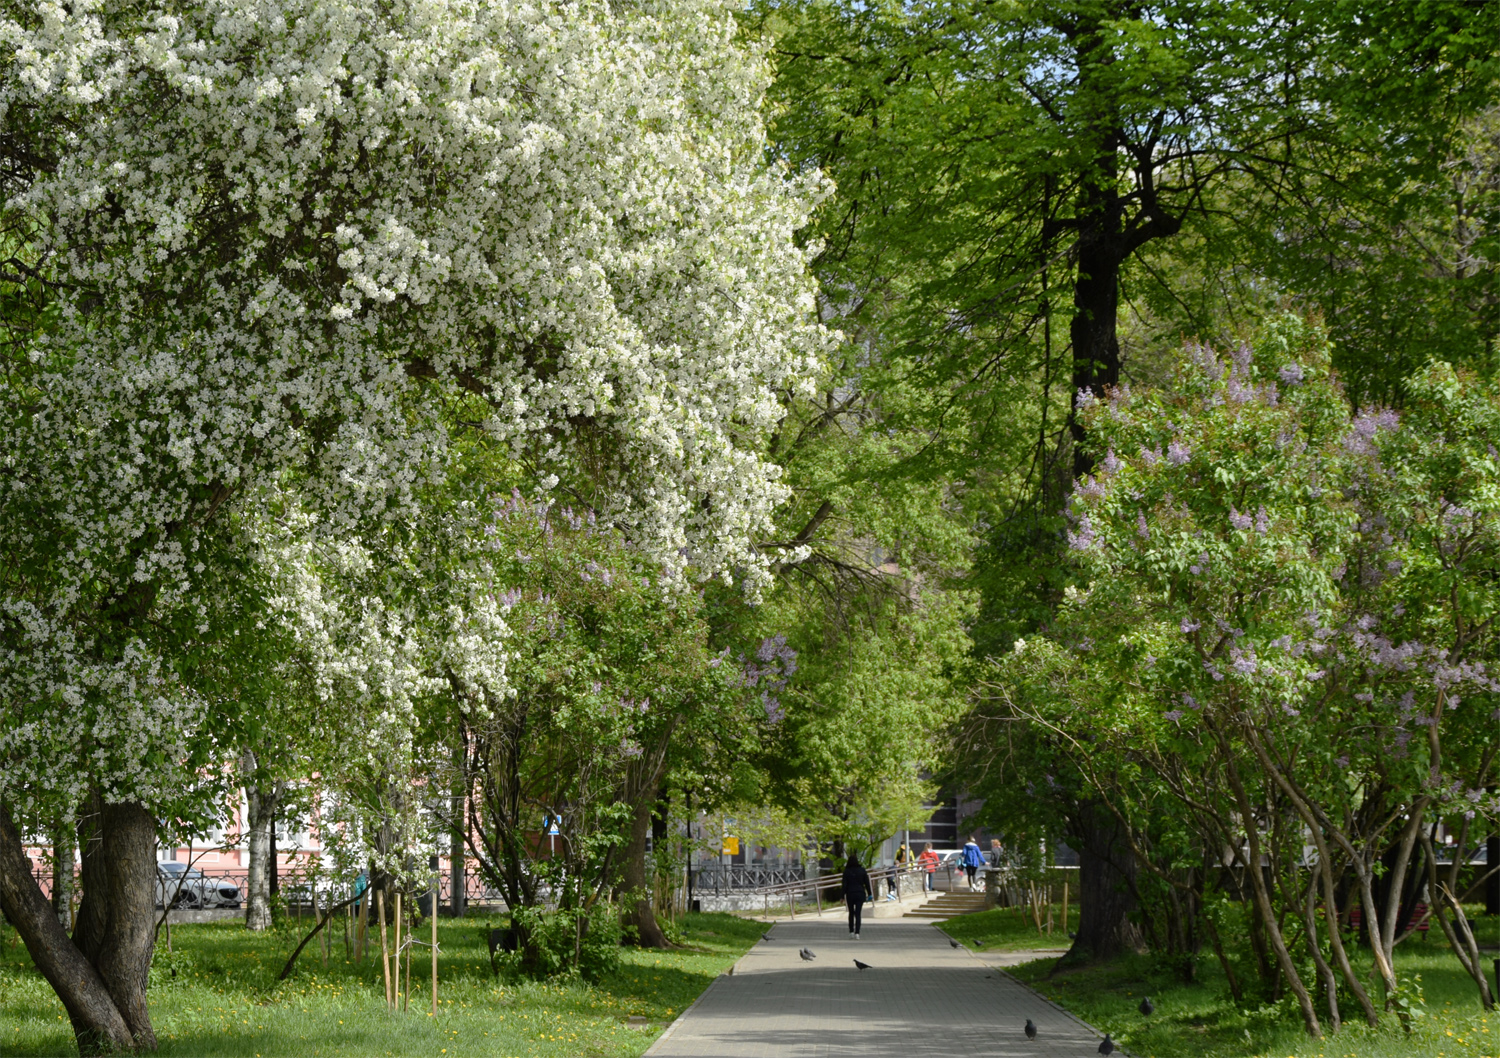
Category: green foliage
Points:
column 568, row 941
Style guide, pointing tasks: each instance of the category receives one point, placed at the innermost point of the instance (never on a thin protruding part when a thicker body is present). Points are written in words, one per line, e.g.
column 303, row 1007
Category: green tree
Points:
column 1272, row 643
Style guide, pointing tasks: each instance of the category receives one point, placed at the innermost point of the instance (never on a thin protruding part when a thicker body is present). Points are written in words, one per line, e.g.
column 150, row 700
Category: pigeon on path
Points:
column 979, row 944
column 1030, row 1029
column 861, row 965
column 1147, row 1008
column 952, row 943
column 806, row 953
column 1106, row 1045
column 765, row 938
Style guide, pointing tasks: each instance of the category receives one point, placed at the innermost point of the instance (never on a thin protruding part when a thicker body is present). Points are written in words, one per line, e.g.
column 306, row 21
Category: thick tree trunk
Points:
column 1106, row 890
column 99, row 974
column 638, row 910
column 261, row 804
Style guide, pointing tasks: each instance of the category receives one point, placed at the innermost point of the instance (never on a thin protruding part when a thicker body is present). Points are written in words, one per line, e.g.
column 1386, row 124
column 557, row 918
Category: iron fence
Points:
column 734, row 877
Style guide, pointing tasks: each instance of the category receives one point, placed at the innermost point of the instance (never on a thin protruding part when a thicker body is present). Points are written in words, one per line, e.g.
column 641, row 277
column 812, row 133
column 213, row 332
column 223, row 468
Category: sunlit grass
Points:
column 1199, row 1019
column 1012, row 929
column 224, row 998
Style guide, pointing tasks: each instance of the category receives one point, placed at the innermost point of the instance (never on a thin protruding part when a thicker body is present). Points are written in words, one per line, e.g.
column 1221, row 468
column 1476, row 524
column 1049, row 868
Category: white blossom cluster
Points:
column 287, row 240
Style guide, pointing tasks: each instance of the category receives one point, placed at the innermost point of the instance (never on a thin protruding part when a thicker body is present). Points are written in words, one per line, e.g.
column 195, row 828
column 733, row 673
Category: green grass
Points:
column 224, row 999
column 1199, row 1020
column 1010, row 929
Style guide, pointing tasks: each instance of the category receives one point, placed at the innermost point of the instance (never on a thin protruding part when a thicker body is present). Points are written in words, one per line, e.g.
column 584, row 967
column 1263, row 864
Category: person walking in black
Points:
column 856, row 890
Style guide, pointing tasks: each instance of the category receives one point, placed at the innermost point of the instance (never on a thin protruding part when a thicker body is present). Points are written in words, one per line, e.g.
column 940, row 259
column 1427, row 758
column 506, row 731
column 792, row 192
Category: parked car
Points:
column 187, row 887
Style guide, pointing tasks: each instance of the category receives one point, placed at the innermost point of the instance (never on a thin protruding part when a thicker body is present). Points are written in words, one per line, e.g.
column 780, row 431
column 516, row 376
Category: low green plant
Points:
column 568, row 941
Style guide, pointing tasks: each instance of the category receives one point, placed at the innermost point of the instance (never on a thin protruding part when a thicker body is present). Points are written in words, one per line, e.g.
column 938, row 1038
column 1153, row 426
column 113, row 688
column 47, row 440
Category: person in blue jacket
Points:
column 972, row 858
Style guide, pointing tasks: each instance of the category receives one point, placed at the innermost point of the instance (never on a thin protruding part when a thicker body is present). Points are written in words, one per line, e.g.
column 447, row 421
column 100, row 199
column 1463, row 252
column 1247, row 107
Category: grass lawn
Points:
column 225, row 1000
column 1008, row 929
column 1200, row 1020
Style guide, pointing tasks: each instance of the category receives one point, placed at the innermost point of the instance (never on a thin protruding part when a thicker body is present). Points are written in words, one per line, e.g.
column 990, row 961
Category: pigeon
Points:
column 1030, row 1029
column 1147, row 1008
column 861, row 965
column 979, row 944
column 1072, row 934
column 1106, row 1045
column 807, row 955
column 765, row 938
column 952, row 943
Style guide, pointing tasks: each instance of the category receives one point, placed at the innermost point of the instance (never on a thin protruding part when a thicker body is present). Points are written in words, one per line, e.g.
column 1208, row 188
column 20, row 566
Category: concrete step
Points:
column 949, row 905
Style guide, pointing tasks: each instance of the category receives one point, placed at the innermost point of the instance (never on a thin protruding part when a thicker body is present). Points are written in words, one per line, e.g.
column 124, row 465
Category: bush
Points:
column 549, row 939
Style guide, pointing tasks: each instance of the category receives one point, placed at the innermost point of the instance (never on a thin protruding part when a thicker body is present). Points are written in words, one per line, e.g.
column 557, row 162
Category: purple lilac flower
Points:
column 1240, row 358
column 1093, row 488
column 1174, row 715
column 1288, row 710
column 1141, row 528
column 1188, row 627
column 1111, row 462
column 1191, row 702
column 1178, row 453
column 1292, row 374
column 1084, row 538
column 1151, row 456
column 1240, row 521
column 1262, row 520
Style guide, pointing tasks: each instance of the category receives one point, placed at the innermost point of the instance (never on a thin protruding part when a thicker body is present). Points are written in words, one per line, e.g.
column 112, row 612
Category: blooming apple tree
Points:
column 302, row 244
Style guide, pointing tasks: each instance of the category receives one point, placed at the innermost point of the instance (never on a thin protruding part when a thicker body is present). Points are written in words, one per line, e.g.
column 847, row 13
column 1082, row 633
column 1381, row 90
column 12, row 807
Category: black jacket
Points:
column 857, row 883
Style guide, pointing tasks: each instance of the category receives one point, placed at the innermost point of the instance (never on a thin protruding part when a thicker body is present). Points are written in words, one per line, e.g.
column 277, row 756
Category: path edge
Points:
column 1119, row 1047
column 678, row 1020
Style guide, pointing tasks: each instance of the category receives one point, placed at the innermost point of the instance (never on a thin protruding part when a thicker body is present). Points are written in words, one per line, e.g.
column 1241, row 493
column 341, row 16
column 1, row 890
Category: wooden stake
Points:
column 1049, row 910
column 1065, row 907
column 385, row 957
column 434, row 945
column 396, row 926
column 406, row 996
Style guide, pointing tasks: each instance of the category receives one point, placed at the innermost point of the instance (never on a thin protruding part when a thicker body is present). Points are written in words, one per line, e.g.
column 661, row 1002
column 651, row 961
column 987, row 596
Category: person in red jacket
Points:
column 928, row 861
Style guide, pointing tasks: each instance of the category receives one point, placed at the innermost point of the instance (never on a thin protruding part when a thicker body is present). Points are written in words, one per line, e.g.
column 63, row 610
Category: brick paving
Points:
column 920, row 997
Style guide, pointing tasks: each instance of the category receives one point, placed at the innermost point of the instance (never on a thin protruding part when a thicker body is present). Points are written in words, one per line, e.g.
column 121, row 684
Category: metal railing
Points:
column 294, row 884
column 736, row 877
column 821, row 888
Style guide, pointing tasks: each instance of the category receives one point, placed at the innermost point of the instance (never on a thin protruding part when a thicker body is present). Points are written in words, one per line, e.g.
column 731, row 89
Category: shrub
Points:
column 549, row 940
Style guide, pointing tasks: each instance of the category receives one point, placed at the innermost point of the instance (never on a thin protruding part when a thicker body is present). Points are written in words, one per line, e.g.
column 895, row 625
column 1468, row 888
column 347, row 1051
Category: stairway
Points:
column 949, row 905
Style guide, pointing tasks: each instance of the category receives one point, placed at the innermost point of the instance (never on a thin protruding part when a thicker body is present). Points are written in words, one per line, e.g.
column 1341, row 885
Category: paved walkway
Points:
column 920, row 997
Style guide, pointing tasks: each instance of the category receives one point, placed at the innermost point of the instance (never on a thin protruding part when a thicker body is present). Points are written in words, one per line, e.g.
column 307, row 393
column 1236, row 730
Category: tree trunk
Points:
column 99, row 974
column 261, row 812
column 457, row 860
column 1262, row 899
column 638, row 910
column 458, row 854
column 1106, row 890
column 64, row 847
